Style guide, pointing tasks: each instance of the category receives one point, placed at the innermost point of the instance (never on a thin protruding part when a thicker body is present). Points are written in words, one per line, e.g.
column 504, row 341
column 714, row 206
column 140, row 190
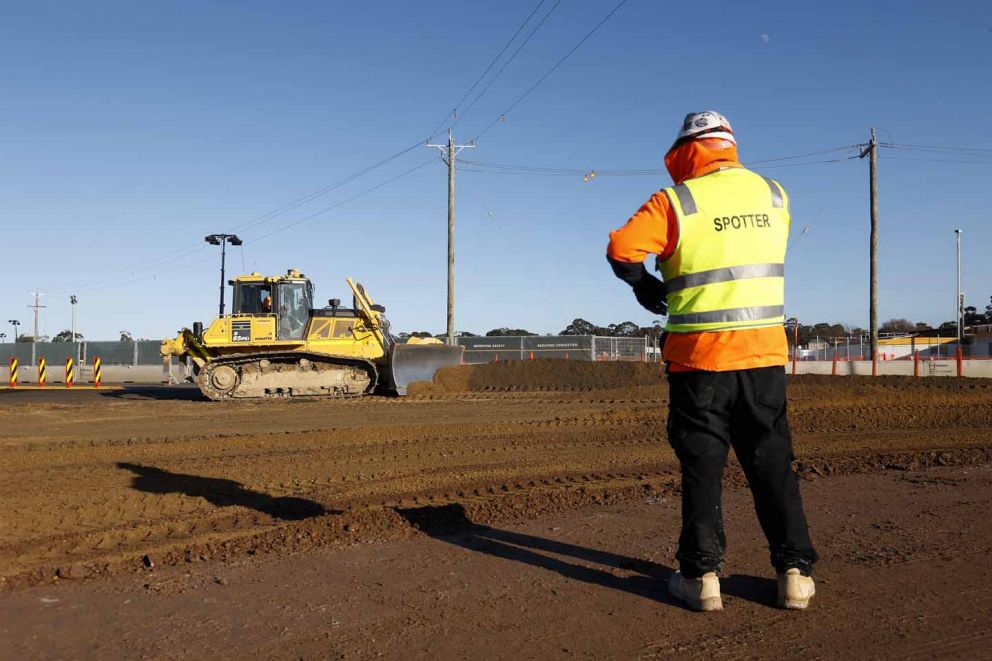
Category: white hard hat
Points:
column 706, row 124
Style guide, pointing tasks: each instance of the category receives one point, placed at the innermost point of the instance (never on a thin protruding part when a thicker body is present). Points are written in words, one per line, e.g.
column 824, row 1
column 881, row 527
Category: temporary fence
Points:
column 141, row 352
column 566, row 347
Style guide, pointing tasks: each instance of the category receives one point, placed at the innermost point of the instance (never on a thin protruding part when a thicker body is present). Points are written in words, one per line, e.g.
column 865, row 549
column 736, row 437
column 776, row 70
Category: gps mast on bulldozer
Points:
column 276, row 344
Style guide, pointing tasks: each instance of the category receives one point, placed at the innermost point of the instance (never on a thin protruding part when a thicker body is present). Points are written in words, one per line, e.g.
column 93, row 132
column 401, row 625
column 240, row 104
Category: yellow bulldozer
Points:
column 276, row 344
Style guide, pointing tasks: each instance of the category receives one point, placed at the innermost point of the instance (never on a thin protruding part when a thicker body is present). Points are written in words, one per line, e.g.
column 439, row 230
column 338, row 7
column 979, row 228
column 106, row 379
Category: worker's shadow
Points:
column 449, row 524
column 223, row 493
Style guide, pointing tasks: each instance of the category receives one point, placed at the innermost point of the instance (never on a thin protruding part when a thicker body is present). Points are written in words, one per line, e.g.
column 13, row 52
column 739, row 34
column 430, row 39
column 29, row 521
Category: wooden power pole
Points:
column 872, row 152
column 449, row 153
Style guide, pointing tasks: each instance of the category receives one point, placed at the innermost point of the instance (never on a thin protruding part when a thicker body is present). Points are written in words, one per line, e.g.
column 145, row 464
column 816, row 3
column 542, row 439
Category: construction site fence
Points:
column 141, row 352
column 975, row 350
column 565, row 347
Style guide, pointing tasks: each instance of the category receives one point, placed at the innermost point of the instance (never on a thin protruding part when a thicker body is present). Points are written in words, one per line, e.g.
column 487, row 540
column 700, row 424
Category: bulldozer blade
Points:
column 419, row 362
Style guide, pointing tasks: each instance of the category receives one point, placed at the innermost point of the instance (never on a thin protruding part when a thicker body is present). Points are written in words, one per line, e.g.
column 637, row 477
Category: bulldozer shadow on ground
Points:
column 185, row 392
column 450, row 524
column 223, row 493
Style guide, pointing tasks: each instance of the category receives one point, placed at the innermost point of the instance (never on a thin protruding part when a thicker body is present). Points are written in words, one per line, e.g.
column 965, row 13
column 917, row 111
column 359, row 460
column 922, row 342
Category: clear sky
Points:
column 129, row 130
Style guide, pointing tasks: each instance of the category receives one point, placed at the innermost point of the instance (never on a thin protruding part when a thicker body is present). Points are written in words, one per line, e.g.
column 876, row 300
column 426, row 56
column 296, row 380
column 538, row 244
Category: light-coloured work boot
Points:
column 700, row 594
column 794, row 590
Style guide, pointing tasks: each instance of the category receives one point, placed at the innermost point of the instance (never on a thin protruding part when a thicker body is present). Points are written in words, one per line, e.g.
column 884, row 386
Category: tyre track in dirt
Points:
column 119, row 480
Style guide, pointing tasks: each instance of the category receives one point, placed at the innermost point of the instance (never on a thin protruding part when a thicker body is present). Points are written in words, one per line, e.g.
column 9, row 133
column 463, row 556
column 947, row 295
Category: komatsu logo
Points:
column 743, row 221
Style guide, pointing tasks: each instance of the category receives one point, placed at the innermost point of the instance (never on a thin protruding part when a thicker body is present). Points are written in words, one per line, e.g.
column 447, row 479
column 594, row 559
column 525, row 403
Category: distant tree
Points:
column 971, row 316
column 504, row 332
column 24, row 338
column 465, row 334
column 922, row 326
column 126, row 336
column 65, row 336
column 580, row 327
column 897, row 326
column 624, row 329
column 405, row 336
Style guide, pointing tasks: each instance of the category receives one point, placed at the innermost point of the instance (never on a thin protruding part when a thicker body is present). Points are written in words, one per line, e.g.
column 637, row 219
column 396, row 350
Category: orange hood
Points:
column 698, row 157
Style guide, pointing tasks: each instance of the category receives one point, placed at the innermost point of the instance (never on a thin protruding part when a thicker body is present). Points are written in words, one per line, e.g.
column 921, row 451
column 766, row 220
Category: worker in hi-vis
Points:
column 720, row 236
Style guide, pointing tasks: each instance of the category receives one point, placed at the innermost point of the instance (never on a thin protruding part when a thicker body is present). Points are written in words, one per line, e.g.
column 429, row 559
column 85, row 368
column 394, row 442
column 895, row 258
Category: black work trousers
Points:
column 708, row 413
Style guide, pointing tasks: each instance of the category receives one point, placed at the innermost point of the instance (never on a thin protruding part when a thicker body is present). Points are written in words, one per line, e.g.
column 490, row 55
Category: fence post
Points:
column 959, row 356
column 135, row 345
column 833, row 367
column 592, row 350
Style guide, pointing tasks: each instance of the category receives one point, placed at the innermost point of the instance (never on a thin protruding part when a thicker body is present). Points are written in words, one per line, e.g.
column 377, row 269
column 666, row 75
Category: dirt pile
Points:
column 542, row 375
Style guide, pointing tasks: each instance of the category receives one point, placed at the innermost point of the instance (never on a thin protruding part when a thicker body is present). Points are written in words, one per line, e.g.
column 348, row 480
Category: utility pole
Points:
column 959, row 299
column 872, row 152
column 222, row 240
column 73, row 300
column 37, row 307
column 449, row 153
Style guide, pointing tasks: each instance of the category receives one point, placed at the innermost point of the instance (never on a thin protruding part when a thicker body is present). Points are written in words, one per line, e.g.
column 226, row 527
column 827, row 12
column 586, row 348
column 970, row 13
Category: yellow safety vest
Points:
column 727, row 271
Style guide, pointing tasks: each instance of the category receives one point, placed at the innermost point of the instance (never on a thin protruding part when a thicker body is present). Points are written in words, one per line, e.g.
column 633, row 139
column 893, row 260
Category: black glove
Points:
column 650, row 293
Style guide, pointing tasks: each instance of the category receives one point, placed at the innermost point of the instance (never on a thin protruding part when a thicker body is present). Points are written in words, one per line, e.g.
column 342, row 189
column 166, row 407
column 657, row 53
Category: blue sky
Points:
column 128, row 131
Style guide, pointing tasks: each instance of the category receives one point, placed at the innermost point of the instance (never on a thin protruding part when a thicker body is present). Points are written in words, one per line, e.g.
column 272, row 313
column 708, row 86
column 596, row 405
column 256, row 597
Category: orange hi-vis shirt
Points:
column 654, row 230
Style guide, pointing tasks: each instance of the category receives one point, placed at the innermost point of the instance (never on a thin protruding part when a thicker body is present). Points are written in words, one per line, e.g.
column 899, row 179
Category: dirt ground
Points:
column 511, row 510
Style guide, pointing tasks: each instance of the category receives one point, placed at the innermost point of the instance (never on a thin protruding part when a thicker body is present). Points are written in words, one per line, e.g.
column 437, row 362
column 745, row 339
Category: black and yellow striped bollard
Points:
column 13, row 372
column 42, row 372
column 97, row 371
column 70, row 372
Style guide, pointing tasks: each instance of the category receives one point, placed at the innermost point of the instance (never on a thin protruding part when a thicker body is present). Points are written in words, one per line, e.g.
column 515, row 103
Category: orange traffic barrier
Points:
column 532, row 355
column 42, row 372
column 916, row 363
column 70, row 372
column 960, row 358
column 13, row 372
column 97, row 371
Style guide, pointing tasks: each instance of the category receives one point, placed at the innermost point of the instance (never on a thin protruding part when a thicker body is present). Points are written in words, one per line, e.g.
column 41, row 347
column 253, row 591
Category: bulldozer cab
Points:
column 289, row 298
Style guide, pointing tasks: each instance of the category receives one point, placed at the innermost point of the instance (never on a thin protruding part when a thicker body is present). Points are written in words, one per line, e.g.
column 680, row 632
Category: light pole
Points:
column 3, row 338
column 73, row 300
column 222, row 240
column 15, row 323
column 959, row 299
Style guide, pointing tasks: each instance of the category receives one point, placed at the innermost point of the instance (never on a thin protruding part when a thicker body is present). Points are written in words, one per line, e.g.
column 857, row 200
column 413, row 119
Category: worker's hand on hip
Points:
column 650, row 293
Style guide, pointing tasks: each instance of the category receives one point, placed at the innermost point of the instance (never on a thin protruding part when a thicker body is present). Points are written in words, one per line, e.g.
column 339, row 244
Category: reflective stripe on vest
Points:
column 727, row 271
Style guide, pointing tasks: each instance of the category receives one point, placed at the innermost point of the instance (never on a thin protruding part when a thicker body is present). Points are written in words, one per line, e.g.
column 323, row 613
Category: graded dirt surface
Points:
column 502, row 511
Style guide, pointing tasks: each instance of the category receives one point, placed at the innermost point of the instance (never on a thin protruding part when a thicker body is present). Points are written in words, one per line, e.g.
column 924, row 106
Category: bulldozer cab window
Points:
column 252, row 298
column 293, row 309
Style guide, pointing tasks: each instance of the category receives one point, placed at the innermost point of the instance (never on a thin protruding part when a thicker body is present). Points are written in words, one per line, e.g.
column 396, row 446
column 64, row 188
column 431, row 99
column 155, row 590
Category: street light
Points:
column 3, row 338
column 959, row 302
column 15, row 323
column 222, row 240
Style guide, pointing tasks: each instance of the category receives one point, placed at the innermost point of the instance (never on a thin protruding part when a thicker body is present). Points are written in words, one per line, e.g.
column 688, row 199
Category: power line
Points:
column 179, row 253
column 550, row 71
column 509, row 169
column 937, row 160
column 894, row 145
column 454, row 111
column 512, row 57
column 343, row 202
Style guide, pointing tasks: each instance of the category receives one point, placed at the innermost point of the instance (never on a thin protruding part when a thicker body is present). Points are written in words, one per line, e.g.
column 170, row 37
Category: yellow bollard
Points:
column 70, row 372
column 97, row 371
column 13, row 372
column 42, row 372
